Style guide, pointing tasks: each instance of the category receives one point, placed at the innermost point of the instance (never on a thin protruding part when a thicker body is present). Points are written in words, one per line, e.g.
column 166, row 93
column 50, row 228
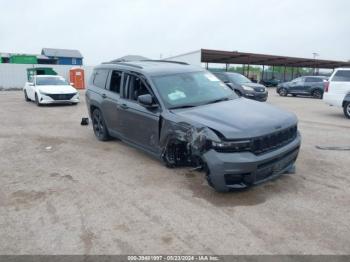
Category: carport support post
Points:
column 248, row 71
column 262, row 74
column 207, row 65
column 273, row 72
column 226, row 67
column 292, row 73
column 243, row 69
column 284, row 74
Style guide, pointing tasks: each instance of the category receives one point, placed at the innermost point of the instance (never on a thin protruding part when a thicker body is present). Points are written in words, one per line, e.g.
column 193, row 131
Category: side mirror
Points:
column 146, row 101
column 72, row 84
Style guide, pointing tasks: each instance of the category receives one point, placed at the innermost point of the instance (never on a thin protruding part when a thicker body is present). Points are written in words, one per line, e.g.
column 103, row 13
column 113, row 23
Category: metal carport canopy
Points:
column 228, row 57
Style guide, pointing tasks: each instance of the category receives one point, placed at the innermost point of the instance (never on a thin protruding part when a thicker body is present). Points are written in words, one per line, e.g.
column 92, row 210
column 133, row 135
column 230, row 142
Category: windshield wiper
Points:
column 219, row 100
column 184, row 106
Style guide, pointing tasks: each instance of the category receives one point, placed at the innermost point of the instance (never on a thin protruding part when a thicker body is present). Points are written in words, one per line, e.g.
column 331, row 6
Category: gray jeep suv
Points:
column 185, row 116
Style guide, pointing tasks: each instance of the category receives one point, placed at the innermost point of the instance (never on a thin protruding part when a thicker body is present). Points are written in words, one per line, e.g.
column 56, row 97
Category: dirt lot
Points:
column 63, row 192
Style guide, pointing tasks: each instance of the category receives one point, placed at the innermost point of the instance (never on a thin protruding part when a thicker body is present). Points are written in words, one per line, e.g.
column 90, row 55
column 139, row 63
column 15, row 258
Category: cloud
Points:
column 103, row 30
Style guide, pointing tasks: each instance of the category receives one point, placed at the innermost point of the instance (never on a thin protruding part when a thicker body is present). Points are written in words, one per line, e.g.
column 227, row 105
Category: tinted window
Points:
column 191, row 89
column 135, row 88
column 342, row 76
column 115, row 83
column 238, row 79
column 222, row 77
column 100, row 78
column 313, row 79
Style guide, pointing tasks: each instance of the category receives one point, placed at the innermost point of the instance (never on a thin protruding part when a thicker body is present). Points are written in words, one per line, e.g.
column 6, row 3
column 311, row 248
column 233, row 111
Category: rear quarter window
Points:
column 341, row 76
column 100, row 78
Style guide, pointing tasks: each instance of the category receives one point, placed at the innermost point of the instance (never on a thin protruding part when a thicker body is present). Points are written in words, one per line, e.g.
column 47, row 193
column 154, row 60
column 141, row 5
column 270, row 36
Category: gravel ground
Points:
column 64, row 192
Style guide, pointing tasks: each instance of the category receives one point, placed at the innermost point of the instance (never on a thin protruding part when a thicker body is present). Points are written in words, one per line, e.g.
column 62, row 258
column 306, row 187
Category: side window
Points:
column 310, row 79
column 100, row 78
column 342, row 76
column 116, row 79
column 135, row 88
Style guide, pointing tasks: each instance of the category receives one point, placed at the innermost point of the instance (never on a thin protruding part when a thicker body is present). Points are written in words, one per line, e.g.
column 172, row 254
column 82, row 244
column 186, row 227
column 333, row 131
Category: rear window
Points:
column 100, row 78
column 342, row 76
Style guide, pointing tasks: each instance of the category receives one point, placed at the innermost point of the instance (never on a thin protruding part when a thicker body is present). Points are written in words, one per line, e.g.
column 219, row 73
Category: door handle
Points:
column 104, row 96
column 124, row 106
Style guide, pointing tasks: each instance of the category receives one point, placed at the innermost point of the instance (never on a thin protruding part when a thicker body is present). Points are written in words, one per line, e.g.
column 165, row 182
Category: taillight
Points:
column 326, row 86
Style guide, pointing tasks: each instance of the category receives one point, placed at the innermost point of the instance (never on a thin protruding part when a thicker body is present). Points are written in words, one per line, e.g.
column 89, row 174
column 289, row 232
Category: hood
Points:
column 256, row 86
column 239, row 118
column 57, row 89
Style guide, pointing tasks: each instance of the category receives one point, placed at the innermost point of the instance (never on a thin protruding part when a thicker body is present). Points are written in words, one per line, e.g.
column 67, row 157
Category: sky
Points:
column 107, row 29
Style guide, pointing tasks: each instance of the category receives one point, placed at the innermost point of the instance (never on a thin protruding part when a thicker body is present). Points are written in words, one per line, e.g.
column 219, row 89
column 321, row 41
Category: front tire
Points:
column 283, row 92
column 99, row 126
column 347, row 109
column 26, row 98
column 37, row 100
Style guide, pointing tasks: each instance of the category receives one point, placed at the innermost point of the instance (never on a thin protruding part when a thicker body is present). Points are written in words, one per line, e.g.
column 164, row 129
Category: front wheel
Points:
column 283, row 92
column 26, row 96
column 347, row 109
column 37, row 100
column 99, row 126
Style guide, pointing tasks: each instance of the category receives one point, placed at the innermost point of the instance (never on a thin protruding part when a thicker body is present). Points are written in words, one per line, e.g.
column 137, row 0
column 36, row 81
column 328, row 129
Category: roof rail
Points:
column 122, row 63
column 165, row 61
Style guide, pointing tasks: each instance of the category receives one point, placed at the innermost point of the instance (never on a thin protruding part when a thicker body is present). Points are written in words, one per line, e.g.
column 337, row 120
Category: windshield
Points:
column 50, row 81
column 238, row 79
column 191, row 89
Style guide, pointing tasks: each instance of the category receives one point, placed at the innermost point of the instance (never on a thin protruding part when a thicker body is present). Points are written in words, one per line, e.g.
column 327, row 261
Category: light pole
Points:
column 315, row 55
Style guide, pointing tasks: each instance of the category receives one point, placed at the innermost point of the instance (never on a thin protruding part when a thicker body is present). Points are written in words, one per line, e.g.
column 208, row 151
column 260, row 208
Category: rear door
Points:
column 140, row 125
column 297, row 85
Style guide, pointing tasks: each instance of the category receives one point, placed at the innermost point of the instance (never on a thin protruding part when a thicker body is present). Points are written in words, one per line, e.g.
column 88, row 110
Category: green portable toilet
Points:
column 40, row 71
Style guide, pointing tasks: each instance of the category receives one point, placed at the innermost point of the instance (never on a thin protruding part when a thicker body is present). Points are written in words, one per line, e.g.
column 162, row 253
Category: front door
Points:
column 140, row 126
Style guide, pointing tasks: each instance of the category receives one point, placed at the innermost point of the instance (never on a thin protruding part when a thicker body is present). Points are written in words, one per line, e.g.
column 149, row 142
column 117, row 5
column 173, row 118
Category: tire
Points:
column 26, row 98
column 238, row 92
column 347, row 109
column 99, row 126
column 37, row 100
column 294, row 95
column 317, row 94
column 283, row 92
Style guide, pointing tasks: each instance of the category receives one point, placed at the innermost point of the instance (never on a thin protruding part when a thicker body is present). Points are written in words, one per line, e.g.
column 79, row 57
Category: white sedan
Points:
column 50, row 89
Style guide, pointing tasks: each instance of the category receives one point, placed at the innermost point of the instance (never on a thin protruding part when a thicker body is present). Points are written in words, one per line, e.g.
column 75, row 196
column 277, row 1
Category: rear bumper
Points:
column 333, row 99
column 240, row 170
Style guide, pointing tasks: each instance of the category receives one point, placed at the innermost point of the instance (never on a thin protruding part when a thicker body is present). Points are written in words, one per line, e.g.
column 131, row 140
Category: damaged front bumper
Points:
column 239, row 170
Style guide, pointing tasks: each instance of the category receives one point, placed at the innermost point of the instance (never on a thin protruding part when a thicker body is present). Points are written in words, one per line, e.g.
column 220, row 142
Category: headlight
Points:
column 231, row 146
column 247, row 88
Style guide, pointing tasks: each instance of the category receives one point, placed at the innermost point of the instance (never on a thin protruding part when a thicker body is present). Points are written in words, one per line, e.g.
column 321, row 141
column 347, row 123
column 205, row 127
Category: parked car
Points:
column 337, row 91
column 50, row 89
column 184, row 115
column 272, row 82
column 305, row 85
column 243, row 86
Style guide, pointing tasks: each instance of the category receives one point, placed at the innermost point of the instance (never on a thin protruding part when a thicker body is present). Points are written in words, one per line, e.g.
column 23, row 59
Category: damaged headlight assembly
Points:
column 231, row 146
column 247, row 88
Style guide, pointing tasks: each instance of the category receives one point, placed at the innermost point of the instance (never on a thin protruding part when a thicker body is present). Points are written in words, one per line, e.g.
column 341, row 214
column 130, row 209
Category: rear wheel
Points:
column 294, row 95
column 99, row 126
column 317, row 94
column 26, row 96
column 283, row 92
column 347, row 109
